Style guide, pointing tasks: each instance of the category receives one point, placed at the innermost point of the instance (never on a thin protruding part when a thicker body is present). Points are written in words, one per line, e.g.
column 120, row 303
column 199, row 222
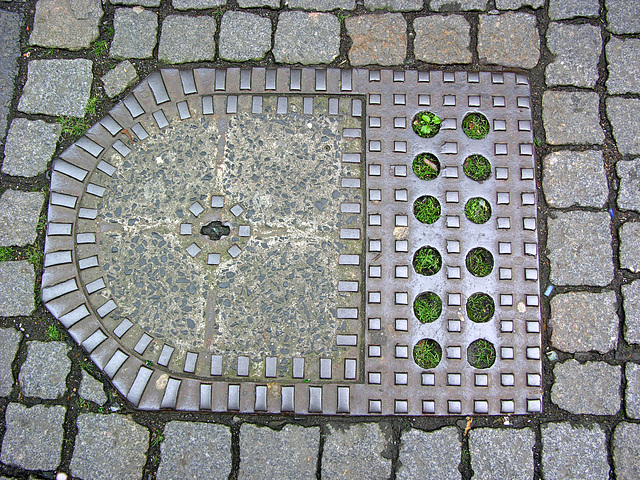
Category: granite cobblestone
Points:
column 379, row 39
column 306, row 38
column 136, row 31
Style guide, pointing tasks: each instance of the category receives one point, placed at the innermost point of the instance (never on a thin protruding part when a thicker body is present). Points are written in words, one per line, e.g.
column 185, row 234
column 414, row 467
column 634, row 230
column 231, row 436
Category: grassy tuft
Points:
column 73, row 126
column 427, row 209
column 426, row 166
column 482, row 354
column 427, row 307
column 477, row 168
column 480, row 307
column 34, row 255
column 426, row 124
column 427, row 261
column 92, row 106
column 53, row 333
column 427, row 353
column 100, row 48
column 478, row 210
column 7, row 254
column 479, row 262
column 475, row 125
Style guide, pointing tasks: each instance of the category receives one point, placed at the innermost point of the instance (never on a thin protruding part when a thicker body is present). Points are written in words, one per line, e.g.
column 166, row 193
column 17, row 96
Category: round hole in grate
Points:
column 477, row 168
column 475, row 125
column 427, row 261
column 426, row 124
column 427, row 353
column 427, row 209
column 481, row 354
column 426, row 166
column 480, row 307
column 479, row 262
column 427, row 307
column 478, row 210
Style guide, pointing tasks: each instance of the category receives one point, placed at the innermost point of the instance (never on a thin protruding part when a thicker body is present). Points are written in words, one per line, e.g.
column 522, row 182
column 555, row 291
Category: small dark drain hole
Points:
column 215, row 230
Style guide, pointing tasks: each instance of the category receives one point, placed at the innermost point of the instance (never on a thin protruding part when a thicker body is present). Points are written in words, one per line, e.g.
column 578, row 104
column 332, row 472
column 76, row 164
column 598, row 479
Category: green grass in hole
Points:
column 478, row 210
column 477, row 168
column 427, row 307
column 427, row 353
column 479, row 262
column 483, row 354
column 427, row 261
column 7, row 253
column 426, row 166
column 53, row 333
column 426, row 124
column 480, row 307
column 427, row 209
column 475, row 125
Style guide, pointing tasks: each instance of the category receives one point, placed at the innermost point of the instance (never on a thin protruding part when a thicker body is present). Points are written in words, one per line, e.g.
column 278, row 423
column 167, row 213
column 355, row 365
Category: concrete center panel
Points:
column 249, row 240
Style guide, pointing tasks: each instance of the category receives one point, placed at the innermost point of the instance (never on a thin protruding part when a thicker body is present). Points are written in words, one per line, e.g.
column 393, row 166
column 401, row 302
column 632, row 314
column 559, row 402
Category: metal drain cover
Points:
column 313, row 286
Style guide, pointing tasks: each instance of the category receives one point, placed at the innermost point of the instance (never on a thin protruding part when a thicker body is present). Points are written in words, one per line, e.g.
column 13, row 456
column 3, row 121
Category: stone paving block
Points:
column 510, row 39
column 91, row 389
column 580, row 248
column 109, row 446
column 306, row 38
column 187, row 39
column 44, row 372
column 142, row 3
column 631, row 307
column 623, row 58
column 626, row 451
column 592, row 388
column 394, row 5
column 19, row 214
column 196, row 4
column 572, row 118
column 235, row 28
column 10, row 28
column 577, row 51
column 69, row 24
column 632, row 394
column 429, row 454
column 321, row 5
column 630, row 246
column 120, row 78
column 500, row 453
column 561, row 9
column 182, row 439
column 574, row 452
column 29, row 147
column 288, row 454
column 575, row 178
column 583, row 321
column 629, row 189
column 356, row 451
column 57, row 87
column 136, row 32
column 452, row 32
column 515, row 4
column 9, row 343
column 377, row 39
column 33, row 439
column 623, row 16
column 456, row 5
column 259, row 3
column 623, row 114
column 17, row 281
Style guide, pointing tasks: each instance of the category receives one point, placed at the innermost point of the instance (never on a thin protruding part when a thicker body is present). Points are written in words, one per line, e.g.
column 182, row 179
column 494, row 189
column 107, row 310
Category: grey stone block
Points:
column 632, row 395
column 109, row 446
column 575, row 178
column 91, row 389
column 561, row 9
column 577, row 50
column 630, row 246
column 574, row 452
column 623, row 114
column 29, row 147
column 117, row 80
column 19, row 214
column 623, row 16
column 142, row 3
column 629, row 189
column 579, row 245
column 44, row 372
column 501, row 453
column 515, row 4
column 33, row 439
column 356, row 451
column 306, row 38
column 457, row 5
column 9, row 343
column 136, row 31
column 69, row 24
column 57, row 87
column 17, row 280
column 196, row 4
column 10, row 28
column 631, row 306
column 377, row 39
column 623, row 58
column 572, row 118
column 235, row 28
column 259, row 3
column 429, row 454
column 267, row 454
column 626, row 451
column 181, row 439
column 510, row 39
column 321, row 5
column 394, row 5
column 592, row 388
column 187, row 39
column 453, row 39
column 583, row 322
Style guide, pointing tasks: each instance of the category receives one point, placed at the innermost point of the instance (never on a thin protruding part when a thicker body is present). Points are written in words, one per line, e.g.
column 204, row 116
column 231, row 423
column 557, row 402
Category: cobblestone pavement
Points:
column 62, row 60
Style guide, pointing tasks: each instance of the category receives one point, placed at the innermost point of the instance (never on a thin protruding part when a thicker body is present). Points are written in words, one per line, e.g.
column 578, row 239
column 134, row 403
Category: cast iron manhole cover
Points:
column 298, row 240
